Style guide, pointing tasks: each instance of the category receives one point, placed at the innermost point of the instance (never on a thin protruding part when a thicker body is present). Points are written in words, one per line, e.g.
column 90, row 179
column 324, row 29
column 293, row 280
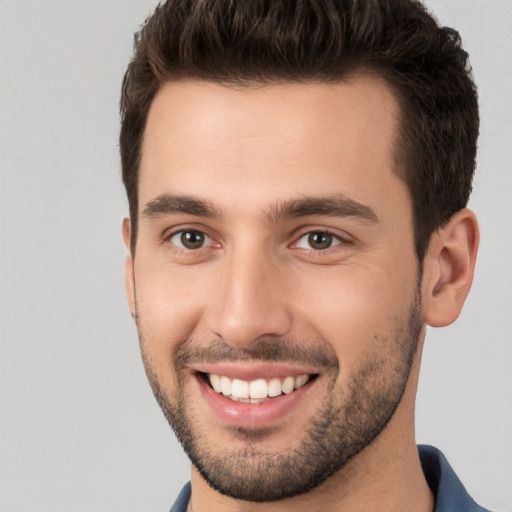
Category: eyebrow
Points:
column 337, row 205
column 167, row 204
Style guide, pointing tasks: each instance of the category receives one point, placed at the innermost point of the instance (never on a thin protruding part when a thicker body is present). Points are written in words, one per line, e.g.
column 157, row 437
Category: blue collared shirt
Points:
column 450, row 494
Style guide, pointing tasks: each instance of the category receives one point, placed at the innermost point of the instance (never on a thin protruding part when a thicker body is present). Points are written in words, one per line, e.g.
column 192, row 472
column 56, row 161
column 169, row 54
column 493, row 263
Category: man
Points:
column 297, row 175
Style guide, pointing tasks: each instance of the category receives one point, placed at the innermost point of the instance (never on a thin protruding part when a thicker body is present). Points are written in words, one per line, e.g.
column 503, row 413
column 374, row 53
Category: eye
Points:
column 190, row 239
column 318, row 240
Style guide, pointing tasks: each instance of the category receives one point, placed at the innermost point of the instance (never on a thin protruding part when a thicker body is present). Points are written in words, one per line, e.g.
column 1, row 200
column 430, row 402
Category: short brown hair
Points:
column 244, row 42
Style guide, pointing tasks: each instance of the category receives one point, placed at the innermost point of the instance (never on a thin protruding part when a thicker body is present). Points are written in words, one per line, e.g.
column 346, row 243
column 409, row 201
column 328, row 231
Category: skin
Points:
column 243, row 151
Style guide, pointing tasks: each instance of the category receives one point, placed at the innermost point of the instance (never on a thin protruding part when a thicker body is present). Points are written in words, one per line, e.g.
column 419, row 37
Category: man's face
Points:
column 275, row 251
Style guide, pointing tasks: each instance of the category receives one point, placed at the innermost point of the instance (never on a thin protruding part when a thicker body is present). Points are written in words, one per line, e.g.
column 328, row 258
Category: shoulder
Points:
column 449, row 492
column 181, row 503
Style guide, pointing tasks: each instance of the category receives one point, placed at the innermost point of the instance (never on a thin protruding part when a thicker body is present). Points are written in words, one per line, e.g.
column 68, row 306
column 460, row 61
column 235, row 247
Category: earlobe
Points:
column 449, row 268
column 129, row 274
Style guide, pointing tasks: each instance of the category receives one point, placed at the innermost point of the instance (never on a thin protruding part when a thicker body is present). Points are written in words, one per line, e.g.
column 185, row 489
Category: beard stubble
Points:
column 347, row 419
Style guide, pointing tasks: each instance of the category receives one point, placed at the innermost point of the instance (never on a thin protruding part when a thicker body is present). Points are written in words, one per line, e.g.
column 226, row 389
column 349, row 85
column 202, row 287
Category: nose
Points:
column 251, row 301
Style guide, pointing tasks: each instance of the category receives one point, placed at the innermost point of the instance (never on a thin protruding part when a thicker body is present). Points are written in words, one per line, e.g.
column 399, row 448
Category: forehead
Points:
column 270, row 141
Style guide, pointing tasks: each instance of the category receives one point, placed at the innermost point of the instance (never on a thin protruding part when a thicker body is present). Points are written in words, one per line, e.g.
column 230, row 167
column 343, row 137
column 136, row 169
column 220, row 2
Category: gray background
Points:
column 79, row 428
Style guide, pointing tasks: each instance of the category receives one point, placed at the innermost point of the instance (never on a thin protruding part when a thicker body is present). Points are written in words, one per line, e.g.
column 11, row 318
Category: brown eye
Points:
column 190, row 239
column 318, row 241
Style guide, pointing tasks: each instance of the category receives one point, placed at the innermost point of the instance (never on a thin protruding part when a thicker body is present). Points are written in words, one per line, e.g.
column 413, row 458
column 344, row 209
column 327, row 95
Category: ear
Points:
column 449, row 268
column 129, row 274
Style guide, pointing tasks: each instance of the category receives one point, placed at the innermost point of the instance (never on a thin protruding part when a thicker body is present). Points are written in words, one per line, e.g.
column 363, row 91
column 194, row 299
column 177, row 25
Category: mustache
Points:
column 276, row 350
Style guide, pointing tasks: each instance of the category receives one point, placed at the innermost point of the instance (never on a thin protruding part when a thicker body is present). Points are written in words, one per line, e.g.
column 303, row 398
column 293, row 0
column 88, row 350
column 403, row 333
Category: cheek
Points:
column 169, row 306
column 357, row 310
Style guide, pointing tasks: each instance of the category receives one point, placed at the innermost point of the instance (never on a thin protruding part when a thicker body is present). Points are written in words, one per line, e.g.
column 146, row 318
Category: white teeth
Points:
column 240, row 388
column 274, row 387
column 225, row 386
column 256, row 390
column 215, row 382
column 287, row 385
column 300, row 381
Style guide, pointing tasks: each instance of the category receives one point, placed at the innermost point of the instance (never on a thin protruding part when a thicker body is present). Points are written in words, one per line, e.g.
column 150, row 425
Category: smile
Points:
column 255, row 391
column 255, row 395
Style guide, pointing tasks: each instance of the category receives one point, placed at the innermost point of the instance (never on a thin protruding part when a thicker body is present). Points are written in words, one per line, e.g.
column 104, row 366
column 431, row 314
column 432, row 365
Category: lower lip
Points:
column 255, row 415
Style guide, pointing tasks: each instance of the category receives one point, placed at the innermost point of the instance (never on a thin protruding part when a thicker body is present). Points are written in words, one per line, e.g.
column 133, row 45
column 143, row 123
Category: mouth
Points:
column 254, row 395
column 255, row 391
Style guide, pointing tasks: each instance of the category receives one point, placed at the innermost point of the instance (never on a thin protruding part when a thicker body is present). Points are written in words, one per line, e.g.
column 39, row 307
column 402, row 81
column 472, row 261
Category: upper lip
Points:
column 254, row 370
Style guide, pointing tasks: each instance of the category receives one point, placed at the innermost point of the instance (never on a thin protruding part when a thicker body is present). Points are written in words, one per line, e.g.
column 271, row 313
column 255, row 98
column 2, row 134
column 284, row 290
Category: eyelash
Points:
column 341, row 240
column 167, row 238
column 337, row 240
